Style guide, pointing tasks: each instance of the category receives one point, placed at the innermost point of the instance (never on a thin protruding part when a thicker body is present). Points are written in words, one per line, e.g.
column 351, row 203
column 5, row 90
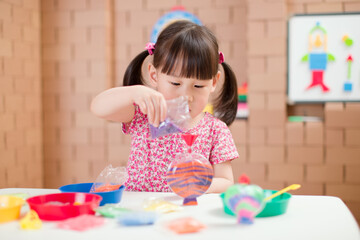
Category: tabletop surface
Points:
column 307, row 217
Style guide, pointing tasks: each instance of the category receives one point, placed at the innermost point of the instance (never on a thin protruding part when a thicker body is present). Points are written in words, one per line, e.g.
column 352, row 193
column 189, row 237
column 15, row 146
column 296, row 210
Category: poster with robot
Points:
column 324, row 58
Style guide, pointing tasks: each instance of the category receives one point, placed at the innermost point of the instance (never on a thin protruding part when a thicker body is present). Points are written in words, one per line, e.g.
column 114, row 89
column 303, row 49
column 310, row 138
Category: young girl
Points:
column 184, row 62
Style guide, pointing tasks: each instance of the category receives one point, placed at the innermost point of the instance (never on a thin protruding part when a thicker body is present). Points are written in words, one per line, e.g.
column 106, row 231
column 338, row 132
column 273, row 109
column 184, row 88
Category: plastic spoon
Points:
column 291, row 187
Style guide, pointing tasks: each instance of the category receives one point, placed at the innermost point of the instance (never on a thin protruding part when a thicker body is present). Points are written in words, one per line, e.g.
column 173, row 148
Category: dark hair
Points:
column 193, row 49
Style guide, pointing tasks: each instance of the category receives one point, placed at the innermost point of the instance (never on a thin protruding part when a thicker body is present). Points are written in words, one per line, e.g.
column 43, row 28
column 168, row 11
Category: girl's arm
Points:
column 223, row 177
column 117, row 104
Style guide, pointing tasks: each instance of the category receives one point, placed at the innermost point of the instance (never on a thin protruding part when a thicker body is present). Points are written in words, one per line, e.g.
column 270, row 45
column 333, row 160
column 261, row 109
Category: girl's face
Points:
column 197, row 91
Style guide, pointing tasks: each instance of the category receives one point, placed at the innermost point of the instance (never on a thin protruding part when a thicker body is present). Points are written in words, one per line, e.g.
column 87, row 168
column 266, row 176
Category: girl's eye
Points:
column 175, row 83
column 198, row 86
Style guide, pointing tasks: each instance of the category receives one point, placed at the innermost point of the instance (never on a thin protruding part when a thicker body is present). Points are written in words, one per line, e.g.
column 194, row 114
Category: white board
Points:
column 319, row 78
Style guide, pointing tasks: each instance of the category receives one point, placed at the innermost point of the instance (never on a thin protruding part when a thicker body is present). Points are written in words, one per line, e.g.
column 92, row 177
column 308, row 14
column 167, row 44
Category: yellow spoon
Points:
column 291, row 187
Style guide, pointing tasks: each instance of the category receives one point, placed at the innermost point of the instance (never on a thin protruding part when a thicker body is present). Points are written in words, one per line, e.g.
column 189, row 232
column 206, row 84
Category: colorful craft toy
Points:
column 190, row 174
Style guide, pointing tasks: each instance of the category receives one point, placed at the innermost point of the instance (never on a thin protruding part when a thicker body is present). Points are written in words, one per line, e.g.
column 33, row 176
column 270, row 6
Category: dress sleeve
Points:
column 223, row 148
column 129, row 127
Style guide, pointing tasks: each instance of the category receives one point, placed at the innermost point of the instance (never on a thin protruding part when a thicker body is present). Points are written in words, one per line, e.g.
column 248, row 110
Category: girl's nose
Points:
column 190, row 98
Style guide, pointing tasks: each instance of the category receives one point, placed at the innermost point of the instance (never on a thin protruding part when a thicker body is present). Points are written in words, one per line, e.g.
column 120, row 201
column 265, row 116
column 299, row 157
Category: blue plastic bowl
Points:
column 107, row 197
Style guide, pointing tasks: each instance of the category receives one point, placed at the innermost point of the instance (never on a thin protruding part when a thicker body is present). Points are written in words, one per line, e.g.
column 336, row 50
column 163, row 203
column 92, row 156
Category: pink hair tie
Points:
column 221, row 58
column 150, row 47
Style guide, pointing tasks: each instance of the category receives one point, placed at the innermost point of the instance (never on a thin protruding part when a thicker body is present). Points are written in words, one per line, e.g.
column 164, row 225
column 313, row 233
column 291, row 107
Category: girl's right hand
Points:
column 152, row 103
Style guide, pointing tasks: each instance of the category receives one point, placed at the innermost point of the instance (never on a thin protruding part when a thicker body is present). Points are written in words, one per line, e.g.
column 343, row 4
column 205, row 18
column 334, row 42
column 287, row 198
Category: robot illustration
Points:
column 318, row 57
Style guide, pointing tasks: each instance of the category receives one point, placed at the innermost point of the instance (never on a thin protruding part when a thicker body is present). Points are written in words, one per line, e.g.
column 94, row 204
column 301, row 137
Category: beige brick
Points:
column 5, row 12
column 76, row 68
column 196, row 4
column 56, row 19
column 271, row 185
column 89, row 52
column 5, row 48
column 343, row 155
column 294, row 133
column 74, row 136
column 72, row 35
column 98, row 36
column 352, row 106
column 98, row 68
column 14, row 103
column 266, row 10
column 58, row 152
column 48, row 69
column 219, row 15
column 20, row 16
column 32, row 103
column 255, row 29
column 268, row 82
column 143, row 17
column 51, row 86
column 239, row 131
column 12, row 31
column 352, row 174
column 276, row 64
column 276, row 101
column 114, row 133
column 68, row 102
column 345, row 192
column 89, row 18
column 351, row 7
column 135, row 4
column 50, row 136
column 324, row 7
column 314, row 133
column 231, row 32
column 257, row 136
column 255, row 171
column 265, row 154
column 86, row 153
column 267, row 46
column 286, row 172
column 161, row 4
column 87, row 119
column 239, row 15
column 72, row 5
column 14, row 139
column 352, row 137
column 267, row 118
column 334, row 137
column 300, row 154
column 276, row 28
column 13, row 67
column 89, row 85
column 256, row 100
column 275, row 136
column 33, row 137
column 118, row 154
column 324, row 173
column 60, row 52
column 256, row 65
column 58, row 119
column 243, row 155
column 97, row 135
column 309, row 189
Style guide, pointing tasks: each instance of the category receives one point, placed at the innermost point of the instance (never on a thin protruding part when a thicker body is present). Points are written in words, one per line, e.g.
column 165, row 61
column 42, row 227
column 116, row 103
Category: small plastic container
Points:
column 107, row 197
column 273, row 207
column 60, row 206
column 10, row 207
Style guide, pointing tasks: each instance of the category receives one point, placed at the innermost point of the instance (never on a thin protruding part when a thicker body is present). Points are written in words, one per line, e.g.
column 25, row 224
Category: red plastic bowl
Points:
column 60, row 206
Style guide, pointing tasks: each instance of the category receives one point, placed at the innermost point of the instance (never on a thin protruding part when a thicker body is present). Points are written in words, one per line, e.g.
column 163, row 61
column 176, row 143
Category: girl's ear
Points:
column 215, row 81
column 152, row 75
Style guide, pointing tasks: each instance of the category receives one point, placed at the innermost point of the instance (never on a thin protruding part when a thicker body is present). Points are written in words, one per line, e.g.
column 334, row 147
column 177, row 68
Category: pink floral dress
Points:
column 149, row 158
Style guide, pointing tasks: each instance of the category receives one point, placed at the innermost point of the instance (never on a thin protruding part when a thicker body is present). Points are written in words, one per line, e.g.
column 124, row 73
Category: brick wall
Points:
column 20, row 95
column 324, row 157
column 86, row 47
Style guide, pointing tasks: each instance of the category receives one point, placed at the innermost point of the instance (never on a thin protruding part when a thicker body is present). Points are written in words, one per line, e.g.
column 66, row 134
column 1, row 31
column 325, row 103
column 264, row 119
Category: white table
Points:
column 307, row 217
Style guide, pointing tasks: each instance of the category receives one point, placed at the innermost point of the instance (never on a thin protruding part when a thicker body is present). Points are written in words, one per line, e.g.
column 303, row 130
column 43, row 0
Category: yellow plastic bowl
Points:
column 10, row 207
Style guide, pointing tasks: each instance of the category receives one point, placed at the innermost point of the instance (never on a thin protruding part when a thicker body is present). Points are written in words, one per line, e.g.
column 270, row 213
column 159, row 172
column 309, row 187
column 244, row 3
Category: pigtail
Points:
column 133, row 74
column 225, row 106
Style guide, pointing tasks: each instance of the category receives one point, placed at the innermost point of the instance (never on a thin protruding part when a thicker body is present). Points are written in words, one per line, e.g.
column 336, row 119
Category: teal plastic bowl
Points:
column 273, row 207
